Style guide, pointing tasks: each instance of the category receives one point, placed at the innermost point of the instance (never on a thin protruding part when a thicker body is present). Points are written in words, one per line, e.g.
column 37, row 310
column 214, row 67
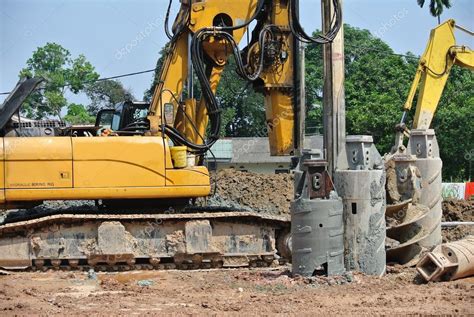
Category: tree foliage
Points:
column 376, row 86
column 61, row 72
column 454, row 125
column 106, row 94
column 77, row 114
column 436, row 6
column 243, row 110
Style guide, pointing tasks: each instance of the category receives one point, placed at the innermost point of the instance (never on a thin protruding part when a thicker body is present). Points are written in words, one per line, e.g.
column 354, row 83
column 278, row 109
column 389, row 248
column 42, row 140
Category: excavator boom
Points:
column 433, row 70
column 134, row 167
column 206, row 34
column 418, row 163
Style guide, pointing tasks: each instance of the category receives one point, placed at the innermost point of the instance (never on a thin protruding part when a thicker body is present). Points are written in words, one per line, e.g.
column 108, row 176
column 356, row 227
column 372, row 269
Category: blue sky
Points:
column 125, row 36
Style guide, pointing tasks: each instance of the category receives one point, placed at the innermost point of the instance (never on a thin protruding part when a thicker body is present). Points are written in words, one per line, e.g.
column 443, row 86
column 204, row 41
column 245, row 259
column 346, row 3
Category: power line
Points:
column 154, row 69
column 103, row 79
column 381, row 52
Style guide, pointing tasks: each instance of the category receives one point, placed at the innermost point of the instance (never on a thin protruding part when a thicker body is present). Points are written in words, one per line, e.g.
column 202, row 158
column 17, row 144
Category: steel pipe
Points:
column 449, row 261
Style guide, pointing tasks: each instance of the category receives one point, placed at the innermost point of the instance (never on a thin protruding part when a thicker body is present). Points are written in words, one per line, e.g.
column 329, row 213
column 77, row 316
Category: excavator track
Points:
column 111, row 241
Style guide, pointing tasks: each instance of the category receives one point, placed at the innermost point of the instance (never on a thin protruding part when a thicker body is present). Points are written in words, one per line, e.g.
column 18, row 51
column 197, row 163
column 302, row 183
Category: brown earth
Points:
column 240, row 291
column 232, row 291
column 457, row 210
column 271, row 193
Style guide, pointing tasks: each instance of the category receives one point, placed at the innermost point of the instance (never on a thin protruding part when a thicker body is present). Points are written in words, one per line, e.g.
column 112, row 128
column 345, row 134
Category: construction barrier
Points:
column 458, row 190
column 469, row 192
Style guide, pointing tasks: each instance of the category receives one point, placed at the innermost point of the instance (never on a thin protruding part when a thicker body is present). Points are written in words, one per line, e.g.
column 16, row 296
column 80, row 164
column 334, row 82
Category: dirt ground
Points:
column 457, row 210
column 241, row 291
column 265, row 193
column 257, row 291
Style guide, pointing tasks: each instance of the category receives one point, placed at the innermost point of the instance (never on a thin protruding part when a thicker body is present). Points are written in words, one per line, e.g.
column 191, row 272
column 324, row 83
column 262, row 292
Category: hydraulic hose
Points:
column 300, row 34
column 212, row 104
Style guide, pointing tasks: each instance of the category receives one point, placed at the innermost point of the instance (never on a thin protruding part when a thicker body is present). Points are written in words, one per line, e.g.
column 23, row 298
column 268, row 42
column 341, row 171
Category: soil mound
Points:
column 457, row 210
column 264, row 193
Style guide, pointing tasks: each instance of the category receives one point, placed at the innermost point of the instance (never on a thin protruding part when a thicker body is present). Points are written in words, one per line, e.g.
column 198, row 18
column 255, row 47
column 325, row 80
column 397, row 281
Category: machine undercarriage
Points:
column 195, row 237
column 339, row 203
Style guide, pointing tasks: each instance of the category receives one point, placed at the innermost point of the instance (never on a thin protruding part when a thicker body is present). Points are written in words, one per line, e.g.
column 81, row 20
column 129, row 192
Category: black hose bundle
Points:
column 224, row 33
column 300, row 34
column 212, row 105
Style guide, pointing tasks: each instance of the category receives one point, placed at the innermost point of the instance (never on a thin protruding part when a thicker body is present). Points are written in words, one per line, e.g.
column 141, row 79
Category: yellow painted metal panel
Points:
column 2, row 152
column 2, row 173
column 38, row 174
column 118, row 162
column 38, row 162
column 203, row 14
column 107, row 193
column 173, row 74
column 198, row 176
column 280, row 122
column 42, row 148
column 433, row 70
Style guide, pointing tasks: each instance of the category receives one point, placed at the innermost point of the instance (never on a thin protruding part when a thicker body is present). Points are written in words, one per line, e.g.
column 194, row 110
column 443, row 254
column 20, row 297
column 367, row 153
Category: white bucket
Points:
column 191, row 160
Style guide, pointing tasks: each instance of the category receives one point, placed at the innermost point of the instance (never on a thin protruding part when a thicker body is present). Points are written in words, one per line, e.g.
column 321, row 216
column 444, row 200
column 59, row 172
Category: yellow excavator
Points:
column 414, row 171
column 144, row 171
column 441, row 54
column 132, row 167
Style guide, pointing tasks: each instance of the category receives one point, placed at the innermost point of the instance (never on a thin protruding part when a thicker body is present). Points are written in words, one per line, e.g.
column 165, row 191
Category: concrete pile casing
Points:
column 362, row 188
column 424, row 145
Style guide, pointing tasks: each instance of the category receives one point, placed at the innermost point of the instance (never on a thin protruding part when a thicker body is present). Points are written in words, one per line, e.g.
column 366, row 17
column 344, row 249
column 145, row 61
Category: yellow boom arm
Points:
column 433, row 71
column 173, row 111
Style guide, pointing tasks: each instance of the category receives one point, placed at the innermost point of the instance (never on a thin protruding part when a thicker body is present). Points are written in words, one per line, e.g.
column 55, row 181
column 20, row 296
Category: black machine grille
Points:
column 39, row 124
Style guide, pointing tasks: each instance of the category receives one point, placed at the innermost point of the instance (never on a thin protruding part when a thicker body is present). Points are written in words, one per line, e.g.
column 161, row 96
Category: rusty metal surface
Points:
column 155, row 241
column 318, row 177
column 449, row 261
column 162, row 216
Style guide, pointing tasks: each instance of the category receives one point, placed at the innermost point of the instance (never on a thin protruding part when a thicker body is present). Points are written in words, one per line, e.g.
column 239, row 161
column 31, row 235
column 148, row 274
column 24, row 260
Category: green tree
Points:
column 454, row 126
column 436, row 7
column 61, row 72
column 243, row 112
column 106, row 94
column 242, row 108
column 376, row 87
column 377, row 81
column 77, row 114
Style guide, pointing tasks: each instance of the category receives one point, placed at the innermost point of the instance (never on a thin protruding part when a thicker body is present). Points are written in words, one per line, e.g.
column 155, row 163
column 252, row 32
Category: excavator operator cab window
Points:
column 138, row 113
column 104, row 118
column 122, row 116
column 129, row 114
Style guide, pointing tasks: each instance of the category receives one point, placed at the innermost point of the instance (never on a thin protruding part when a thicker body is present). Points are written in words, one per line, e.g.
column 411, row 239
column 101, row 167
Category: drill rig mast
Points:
column 126, row 168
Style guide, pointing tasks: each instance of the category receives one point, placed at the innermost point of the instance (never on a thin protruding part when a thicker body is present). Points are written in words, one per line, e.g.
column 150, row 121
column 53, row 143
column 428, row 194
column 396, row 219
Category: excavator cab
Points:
column 127, row 117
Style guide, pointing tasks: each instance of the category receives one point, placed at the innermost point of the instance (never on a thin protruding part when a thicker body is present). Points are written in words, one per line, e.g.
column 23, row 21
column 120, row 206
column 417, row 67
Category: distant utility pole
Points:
column 334, row 107
column 301, row 99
